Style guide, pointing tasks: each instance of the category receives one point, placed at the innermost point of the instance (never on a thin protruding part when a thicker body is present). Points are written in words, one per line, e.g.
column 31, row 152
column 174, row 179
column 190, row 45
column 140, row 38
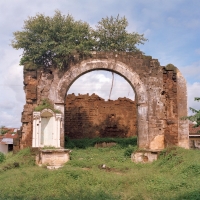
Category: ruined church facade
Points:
column 161, row 96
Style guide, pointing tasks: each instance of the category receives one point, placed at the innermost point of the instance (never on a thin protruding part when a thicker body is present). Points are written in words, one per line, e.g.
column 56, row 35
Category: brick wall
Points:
column 92, row 116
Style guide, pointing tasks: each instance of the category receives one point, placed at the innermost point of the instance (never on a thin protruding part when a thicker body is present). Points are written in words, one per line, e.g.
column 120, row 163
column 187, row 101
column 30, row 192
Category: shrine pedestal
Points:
column 53, row 158
column 145, row 156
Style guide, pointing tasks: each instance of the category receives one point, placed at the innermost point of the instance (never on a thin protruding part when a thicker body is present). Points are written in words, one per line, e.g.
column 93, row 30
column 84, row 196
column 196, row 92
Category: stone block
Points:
column 53, row 157
column 157, row 143
column 144, row 157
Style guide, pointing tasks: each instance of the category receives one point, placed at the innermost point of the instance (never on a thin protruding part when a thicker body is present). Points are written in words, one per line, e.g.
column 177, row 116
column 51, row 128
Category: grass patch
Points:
column 87, row 142
column 104, row 173
column 22, row 159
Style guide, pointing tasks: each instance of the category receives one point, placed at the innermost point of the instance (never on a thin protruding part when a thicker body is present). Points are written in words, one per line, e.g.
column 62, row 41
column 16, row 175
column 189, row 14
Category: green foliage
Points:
column 111, row 35
column 2, row 157
column 23, row 158
column 84, row 178
column 170, row 157
column 196, row 116
column 86, row 142
column 46, row 104
column 171, row 67
column 3, row 130
column 129, row 150
column 54, row 41
column 48, row 147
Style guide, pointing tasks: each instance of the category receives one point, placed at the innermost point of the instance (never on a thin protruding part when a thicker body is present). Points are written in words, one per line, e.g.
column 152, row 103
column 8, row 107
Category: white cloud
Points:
column 191, row 72
column 12, row 97
column 99, row 82
column 10, row 109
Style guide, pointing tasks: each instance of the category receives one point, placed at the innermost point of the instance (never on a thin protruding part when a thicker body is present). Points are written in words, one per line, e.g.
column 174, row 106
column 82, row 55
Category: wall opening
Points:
column 100, row 104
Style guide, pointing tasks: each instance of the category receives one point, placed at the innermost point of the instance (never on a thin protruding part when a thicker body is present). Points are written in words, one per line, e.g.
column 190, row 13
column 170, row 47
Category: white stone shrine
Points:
column 46, row 129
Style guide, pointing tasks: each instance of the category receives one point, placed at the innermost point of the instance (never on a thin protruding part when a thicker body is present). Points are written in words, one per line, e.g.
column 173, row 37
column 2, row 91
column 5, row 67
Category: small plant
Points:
column 2, row 157
column 46, row 104
column 48, row 147
column 128, row 151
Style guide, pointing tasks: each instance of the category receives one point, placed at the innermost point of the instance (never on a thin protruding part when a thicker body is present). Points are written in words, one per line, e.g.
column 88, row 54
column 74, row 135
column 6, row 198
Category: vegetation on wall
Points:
column 111, row 35
column 46, row 104
column 171, row 67
column 48, row 41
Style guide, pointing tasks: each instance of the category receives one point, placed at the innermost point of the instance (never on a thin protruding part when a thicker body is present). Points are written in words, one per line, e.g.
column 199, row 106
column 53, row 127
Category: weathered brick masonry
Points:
column 161, row 95
column 91, row 116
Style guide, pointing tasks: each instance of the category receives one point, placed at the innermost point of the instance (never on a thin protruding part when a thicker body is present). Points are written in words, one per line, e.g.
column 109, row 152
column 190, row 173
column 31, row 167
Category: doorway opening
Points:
column 100, row 104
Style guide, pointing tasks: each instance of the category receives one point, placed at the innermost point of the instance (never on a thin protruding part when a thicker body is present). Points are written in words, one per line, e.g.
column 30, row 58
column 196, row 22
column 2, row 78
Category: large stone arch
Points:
column 115, row 66
column 161, row 95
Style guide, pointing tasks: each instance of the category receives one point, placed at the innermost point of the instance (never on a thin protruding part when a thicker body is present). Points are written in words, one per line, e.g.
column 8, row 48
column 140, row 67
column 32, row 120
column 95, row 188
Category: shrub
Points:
column 86, row 142
column 128, row 151
column 2, row 157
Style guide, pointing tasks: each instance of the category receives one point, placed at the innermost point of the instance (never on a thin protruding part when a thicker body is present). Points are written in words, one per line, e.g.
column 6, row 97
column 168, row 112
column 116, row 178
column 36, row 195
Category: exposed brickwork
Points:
column 161, row 95
column 30, row 88
column 171, row 107
column 92, row 116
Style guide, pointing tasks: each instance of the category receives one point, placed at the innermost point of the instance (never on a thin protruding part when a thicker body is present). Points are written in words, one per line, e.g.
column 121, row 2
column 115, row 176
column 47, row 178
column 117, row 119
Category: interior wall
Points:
column 91, row 116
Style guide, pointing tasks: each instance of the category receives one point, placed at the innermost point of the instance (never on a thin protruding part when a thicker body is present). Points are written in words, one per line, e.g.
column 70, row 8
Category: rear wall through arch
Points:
column 161, row 95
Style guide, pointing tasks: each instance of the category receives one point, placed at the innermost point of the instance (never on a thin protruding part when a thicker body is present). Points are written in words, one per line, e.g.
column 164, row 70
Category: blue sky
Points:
column 172, row 28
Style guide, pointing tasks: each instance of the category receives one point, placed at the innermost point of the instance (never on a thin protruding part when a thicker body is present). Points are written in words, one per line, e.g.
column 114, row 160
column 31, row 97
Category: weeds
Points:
column 104, row 173
column 46, row 104
column 2, row 157
column 21, row 159
column 86, row 142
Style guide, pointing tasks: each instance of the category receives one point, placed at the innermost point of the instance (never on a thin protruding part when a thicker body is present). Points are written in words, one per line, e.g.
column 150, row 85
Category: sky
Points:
column 172, row 28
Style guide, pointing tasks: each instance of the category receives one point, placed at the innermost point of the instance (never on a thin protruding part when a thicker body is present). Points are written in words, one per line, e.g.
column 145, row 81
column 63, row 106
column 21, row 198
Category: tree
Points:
column 111, row 35
column 196, row 116
column 53, row 40
column 48, row 41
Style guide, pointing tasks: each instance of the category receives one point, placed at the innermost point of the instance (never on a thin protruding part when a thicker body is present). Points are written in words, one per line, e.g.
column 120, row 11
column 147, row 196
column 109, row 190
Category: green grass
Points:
column 87, row 142
column 175, row 175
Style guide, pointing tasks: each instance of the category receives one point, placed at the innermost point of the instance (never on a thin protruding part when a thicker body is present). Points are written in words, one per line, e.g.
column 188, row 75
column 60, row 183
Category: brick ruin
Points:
column 161, row 96
column 91, row 116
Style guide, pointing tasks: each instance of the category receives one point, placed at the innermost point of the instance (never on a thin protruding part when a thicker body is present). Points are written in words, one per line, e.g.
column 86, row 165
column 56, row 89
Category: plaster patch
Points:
column 157, row 143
